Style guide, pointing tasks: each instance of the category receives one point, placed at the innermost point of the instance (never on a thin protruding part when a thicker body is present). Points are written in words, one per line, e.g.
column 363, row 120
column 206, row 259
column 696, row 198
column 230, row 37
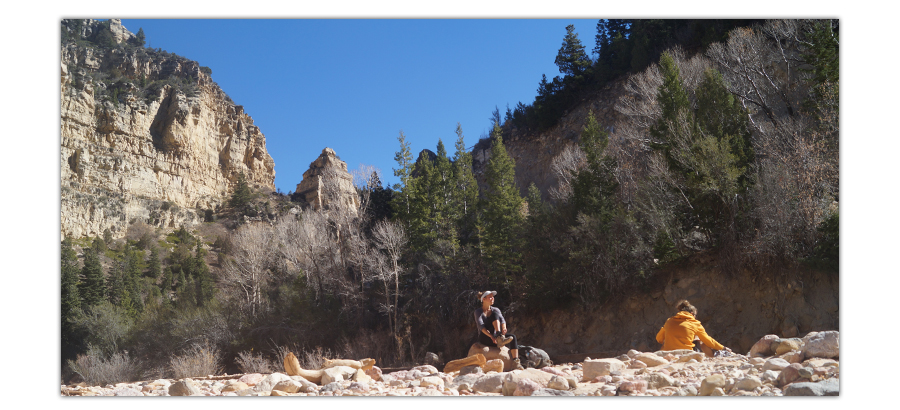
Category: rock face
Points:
column 147, row 136
column 327, row 184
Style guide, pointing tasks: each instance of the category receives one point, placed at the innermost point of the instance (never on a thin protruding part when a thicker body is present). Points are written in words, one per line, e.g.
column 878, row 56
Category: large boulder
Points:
column 338, row 373
column 269, row 382
column 490, row 383
column 782, row 346
column 651, row 359
column 526, row 387
column 830, row 387
column 493, row 352
column 763, row 347
column 511, row 379
column 711, row 383
column 659, row 380
column 467, row 379
column 601, row 367
column 822, row 344
column 185, row 387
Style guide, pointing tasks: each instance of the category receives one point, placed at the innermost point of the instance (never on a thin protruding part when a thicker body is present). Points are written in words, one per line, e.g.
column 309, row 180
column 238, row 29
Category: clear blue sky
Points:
column 353, row 84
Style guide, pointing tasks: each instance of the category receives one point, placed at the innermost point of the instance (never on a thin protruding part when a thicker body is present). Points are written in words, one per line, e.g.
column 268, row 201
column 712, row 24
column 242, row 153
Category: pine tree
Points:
column 92, row 285
column 134, row 265
column 140, row 39
column 571, row 58
column 154, row 268
column 70, row 299
column 241, row 195
column 708, row 149
column 502, row 212
column 595, row 185
column 405, row 189
column 465, row 190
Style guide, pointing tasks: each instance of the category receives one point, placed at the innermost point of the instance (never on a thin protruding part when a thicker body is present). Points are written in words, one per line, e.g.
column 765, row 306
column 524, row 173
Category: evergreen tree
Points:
column 134, row 265
column 181, row 288
column 502, row 213
column 404, row 189
column 571, row 58
column 379, row 202
column 70, row 299
column 139, row 39
column 92, row 284
column 241, row 195
column 594, row 186
column 154, row 267
column 822, row 51
column 708, row 149
column 203, row 283
column 465, row 190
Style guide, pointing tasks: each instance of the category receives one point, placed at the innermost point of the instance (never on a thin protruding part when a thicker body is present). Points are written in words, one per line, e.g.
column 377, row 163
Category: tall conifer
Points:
column 502, row 212
column 92, row 286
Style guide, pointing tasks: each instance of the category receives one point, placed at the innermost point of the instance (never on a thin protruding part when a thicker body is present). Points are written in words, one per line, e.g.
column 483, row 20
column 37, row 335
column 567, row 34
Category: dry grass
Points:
column 99, row 371
column 248, row 362
column 199, row 360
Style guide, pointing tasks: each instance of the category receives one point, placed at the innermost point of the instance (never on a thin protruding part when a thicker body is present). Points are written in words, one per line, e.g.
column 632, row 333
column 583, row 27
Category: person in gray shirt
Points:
column 492, row 327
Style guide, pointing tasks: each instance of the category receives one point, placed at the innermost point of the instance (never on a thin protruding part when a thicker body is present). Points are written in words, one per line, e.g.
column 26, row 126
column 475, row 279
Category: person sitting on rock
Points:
column 492, row 327
column 683, row 329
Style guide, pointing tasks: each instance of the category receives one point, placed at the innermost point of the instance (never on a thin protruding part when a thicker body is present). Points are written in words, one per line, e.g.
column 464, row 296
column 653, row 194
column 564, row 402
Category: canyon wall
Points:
column 161, row 157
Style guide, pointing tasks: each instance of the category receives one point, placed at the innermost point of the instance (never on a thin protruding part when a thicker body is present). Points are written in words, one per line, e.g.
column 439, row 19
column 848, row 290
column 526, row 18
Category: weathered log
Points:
column 364, row 364
column 455, row 365
column 292, row 368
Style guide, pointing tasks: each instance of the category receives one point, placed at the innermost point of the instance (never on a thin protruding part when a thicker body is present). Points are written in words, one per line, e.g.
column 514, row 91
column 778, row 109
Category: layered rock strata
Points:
column 327, row 184
column 160, row 157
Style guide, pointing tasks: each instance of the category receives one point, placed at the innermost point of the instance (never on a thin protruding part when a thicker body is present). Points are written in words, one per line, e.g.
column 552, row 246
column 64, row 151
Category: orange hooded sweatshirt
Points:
column 679, row 331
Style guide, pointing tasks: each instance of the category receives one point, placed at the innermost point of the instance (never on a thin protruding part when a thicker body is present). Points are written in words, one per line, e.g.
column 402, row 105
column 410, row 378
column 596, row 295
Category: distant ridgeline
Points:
column 147, row 135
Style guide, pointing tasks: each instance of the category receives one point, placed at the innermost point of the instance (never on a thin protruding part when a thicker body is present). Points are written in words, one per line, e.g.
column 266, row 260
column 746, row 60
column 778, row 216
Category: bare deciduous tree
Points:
column 249, row 267
column 389, row 237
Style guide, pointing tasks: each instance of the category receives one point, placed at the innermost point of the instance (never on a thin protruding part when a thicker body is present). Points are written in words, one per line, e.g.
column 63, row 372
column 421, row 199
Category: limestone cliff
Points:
column 146, row 136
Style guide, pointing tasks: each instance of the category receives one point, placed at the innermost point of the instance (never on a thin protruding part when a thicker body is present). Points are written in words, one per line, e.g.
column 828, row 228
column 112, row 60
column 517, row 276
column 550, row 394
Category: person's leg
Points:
column 483, row 339
column 708, row 351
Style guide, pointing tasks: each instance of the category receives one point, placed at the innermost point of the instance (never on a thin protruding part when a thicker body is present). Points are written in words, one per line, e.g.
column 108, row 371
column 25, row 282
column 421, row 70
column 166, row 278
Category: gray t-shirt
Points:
column 482, row 321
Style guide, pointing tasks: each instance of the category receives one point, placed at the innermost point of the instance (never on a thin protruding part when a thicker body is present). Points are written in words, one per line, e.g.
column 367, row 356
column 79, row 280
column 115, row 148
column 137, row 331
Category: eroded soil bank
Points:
column 737, row 311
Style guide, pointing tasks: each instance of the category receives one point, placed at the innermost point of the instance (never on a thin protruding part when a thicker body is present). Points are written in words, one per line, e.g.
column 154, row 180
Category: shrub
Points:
column 99, row 371
column 248, row 362
column 106, row 326
column 198, row 360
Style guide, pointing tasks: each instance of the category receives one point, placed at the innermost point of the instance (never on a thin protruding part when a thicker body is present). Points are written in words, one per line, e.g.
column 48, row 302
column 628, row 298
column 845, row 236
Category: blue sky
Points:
column 353, row 84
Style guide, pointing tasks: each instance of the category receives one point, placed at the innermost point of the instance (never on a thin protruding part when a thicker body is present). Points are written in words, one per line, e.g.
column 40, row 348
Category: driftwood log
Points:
column 292, row 368
column 455, row 365
column 364, row 364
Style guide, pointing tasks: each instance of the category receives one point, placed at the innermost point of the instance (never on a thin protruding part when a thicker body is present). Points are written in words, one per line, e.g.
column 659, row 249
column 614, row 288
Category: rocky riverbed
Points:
column 775, row 366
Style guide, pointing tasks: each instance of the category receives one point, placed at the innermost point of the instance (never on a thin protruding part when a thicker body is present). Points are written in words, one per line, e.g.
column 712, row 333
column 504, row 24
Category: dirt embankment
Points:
column 736, row 311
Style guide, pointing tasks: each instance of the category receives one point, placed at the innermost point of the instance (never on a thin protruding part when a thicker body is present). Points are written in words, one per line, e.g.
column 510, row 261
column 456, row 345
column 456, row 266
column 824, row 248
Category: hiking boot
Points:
column 503, row 340
column 518, row 364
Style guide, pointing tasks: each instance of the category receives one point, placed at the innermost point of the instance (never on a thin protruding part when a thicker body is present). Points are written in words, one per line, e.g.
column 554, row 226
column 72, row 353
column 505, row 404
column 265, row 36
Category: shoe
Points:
column 503, row 340
column 518, row 364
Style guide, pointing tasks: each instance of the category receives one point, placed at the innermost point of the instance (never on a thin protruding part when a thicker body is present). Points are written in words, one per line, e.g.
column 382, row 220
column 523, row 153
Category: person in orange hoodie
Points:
column 683, row 329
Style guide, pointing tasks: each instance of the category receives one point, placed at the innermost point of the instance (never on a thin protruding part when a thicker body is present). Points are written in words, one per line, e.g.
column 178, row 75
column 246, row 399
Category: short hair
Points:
column 685, row 306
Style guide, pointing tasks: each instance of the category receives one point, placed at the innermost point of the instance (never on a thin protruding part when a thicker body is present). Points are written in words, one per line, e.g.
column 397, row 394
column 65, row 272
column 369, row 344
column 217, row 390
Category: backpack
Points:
column 534, row 357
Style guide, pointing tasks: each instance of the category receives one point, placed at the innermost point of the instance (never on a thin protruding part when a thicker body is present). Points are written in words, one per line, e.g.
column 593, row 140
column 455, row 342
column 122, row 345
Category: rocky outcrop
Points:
column 327, row 184
column 147, row 136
